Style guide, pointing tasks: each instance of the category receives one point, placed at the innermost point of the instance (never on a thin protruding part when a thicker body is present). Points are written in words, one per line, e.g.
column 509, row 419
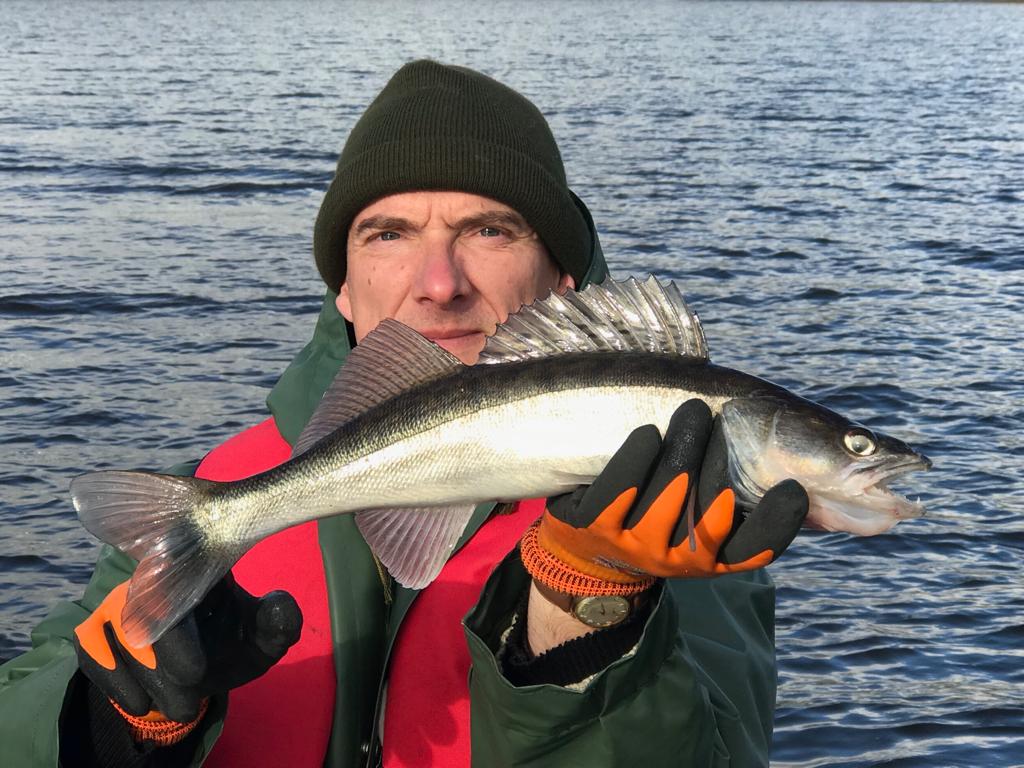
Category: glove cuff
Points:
column 157, row 728
column 555, row 573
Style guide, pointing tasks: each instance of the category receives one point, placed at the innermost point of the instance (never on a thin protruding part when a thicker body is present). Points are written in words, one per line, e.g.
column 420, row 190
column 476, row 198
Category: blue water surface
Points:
column 838, row 187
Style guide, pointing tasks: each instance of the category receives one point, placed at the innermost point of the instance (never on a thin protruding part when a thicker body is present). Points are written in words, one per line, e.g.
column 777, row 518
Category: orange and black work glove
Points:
column 631, row 525
column 229, row 639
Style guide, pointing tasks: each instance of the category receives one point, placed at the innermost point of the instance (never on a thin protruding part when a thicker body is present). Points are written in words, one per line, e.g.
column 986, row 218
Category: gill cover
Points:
column 750, row 428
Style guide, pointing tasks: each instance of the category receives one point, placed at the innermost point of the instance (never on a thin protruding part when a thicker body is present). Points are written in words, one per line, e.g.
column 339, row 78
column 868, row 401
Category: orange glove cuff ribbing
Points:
column 153, row 726
column 555, row 573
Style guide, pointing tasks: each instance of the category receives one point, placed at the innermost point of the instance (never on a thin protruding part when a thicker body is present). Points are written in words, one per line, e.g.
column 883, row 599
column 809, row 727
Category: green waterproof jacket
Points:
column 699, row 690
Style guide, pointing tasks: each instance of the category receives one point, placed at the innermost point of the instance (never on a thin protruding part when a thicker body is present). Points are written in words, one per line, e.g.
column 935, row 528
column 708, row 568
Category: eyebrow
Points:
column 508, row 219
column 383, row 223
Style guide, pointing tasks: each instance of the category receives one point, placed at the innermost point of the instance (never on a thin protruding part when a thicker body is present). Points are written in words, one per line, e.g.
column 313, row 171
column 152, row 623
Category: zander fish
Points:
column 410, row 439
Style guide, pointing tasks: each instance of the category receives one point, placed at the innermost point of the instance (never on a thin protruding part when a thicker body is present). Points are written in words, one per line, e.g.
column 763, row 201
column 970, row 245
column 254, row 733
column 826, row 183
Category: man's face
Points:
column 449, row 264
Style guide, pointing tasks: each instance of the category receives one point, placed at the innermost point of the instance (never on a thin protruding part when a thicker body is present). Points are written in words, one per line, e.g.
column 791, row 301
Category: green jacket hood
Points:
column 297, row 393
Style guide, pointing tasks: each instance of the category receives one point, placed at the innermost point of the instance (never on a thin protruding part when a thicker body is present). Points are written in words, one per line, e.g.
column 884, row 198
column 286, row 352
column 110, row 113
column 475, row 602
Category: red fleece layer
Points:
column 274, row 721
column 427, row 713
column 284, row 717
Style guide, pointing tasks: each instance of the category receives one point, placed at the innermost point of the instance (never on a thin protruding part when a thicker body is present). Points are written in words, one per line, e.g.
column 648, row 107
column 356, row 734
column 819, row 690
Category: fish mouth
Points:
column 880, row 496
column 870, row 506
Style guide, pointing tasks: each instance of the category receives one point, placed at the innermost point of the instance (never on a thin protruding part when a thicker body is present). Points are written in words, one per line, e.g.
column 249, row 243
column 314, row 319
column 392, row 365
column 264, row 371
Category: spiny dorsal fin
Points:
column 627, row 316
column 391, row 359
column 414, row 544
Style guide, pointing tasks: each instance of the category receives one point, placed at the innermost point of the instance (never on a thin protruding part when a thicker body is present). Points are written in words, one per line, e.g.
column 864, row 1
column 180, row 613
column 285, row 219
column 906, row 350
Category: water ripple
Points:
column 838, row 194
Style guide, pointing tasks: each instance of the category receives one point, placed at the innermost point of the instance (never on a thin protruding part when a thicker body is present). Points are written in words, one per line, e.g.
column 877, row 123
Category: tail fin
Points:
column 152, row 518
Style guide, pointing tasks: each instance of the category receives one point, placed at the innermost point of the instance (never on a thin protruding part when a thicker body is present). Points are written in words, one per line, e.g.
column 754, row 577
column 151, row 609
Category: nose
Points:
column 440, row 278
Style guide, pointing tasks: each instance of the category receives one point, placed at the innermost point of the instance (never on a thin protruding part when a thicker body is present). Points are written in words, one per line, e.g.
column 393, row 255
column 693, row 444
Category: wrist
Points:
column 556, row 617
column 572, row 663
column 548, row 625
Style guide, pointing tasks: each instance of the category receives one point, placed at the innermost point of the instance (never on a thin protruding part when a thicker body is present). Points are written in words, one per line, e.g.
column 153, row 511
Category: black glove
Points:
column 230, row 639
column 631, row 523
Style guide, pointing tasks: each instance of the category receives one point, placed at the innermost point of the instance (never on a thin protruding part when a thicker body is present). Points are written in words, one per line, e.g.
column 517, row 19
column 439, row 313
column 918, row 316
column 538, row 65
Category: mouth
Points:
column 465, row 344
column 437, row 338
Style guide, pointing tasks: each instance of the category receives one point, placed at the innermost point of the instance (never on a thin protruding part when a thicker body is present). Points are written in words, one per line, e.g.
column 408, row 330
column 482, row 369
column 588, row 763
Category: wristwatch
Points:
column 604, row 611
column 599, row 611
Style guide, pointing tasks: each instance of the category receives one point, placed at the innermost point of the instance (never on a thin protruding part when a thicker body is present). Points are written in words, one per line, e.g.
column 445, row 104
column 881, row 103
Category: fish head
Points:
column 845, row 467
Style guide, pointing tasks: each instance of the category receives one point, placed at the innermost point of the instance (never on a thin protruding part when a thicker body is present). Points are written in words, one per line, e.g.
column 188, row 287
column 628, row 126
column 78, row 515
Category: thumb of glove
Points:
column 277, row 624
column 773, row 524
column 247, row 635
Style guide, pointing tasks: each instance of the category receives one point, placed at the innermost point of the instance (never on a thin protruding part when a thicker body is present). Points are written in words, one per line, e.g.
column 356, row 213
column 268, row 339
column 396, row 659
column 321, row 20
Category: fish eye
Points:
column 860, row 442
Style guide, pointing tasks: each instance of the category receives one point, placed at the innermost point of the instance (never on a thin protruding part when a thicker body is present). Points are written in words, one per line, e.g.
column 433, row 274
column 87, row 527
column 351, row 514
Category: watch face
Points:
column 601, row 611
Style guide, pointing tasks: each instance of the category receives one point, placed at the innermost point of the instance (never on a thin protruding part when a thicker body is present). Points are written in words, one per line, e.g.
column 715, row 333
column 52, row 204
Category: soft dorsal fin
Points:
column 627, row 316
column 391, row 359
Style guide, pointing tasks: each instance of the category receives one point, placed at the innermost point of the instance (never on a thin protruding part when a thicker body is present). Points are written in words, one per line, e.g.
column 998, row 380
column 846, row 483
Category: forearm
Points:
column 574, row 661
column 34, row 686
column 94, row 735
column 696, row 688
column 647, row 689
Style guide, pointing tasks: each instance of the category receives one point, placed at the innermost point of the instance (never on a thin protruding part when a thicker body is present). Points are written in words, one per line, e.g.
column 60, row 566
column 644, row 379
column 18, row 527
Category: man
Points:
column 449, row 210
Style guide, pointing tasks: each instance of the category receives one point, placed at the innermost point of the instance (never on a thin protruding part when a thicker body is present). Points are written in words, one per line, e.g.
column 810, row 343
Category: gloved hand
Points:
column 630, row 525
column 230, row 639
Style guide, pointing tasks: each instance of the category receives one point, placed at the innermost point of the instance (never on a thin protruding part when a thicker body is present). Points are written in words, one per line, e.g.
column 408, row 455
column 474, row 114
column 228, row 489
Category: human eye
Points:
column 386, row 236
column 492, row 231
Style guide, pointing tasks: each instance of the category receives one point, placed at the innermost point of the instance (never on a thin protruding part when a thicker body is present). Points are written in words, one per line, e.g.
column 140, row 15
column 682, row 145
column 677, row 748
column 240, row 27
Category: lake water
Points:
column 838, row 187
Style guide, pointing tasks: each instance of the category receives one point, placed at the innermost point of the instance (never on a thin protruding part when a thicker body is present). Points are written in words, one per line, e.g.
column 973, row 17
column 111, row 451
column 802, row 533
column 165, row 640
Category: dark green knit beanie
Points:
column 436, row 127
